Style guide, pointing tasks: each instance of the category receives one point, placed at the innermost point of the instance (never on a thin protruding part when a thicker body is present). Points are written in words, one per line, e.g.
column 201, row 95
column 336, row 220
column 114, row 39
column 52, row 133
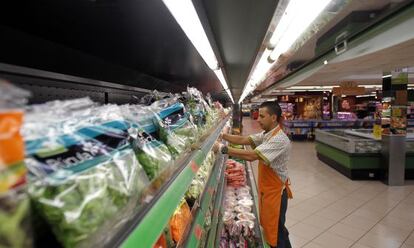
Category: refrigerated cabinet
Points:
column 356, row 153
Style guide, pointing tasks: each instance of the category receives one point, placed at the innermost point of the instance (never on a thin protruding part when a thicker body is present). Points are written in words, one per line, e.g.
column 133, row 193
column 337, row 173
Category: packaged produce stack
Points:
column 90, row 167
column 84, row 173
column 199, row 182
column 238, row 217
column 15, row 228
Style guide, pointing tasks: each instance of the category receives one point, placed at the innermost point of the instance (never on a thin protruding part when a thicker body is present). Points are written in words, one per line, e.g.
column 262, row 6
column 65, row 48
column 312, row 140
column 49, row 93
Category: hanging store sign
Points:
column 349, row 91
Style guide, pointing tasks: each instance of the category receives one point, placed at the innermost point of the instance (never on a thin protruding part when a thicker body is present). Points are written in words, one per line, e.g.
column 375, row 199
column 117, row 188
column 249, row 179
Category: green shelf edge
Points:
column 207, row 198
column 152, row 225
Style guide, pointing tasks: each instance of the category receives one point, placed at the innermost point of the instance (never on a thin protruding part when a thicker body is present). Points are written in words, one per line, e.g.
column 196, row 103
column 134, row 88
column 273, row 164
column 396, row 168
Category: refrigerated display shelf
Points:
column 214, row 239
column 198, row 231
column 217, row 214
column 252, row 183
column 145, row 228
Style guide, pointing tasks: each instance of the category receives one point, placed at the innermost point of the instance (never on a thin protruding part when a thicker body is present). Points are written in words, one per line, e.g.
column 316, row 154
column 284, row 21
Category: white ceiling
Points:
column 366, row 69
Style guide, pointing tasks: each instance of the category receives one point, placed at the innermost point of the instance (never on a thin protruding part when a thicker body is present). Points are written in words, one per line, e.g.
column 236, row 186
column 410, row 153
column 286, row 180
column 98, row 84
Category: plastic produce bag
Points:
column 85, row 177
column 180, row 220
column 152, row 154
column 15, row 229
column 176, row 128
column 196, row 105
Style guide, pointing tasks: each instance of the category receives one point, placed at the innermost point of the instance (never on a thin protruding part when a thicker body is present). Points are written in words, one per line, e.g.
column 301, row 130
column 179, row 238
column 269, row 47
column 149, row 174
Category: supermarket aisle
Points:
column 329, row 210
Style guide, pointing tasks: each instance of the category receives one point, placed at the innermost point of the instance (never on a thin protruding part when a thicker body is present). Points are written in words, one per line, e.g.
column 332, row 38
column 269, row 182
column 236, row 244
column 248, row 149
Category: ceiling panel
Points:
column 239, row 28
column 137, row 36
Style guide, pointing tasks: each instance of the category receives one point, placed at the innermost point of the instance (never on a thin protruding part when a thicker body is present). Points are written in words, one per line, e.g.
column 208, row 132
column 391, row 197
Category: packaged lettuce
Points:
column 85, row 179
column 153, row 155
column 199, row 182
column 176, row 128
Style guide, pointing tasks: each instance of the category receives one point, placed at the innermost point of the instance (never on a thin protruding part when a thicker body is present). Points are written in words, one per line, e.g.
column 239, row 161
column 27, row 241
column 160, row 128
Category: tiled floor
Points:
column 331, row 211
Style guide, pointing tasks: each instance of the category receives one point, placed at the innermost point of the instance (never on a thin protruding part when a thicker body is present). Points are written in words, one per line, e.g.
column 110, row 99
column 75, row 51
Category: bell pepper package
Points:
column 85, row 179
column 153, row 155
column 176, row 128
column 15, row 227
column 179, row 221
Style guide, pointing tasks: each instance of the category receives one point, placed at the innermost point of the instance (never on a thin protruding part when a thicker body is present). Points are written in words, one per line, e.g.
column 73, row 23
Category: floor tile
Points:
column 330, row 240
column 358, row 245
column 410, row 239
column 358, row 222
column 367, row 214
column 331, row 214
column 398, row 223
column 319, row 221
column 306, row 231
column 390, row 232
column 312, row 245
column 346, row 231
column 378, row 241
column 297, row 242
column 291, row 222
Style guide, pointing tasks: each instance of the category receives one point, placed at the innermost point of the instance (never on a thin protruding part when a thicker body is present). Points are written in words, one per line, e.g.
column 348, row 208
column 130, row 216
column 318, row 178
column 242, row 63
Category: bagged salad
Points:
column 15, row 228
column 176, row 128
column 153, row 155
column 85, row 179
column 197, row 107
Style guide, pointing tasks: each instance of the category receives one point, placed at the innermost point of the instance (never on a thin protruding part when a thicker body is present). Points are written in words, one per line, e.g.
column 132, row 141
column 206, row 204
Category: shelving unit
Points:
column 211, row 196
column 145, row 228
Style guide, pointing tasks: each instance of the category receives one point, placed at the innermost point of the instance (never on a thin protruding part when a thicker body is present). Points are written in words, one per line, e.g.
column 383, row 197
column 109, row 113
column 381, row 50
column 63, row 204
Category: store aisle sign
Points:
column 348, row 88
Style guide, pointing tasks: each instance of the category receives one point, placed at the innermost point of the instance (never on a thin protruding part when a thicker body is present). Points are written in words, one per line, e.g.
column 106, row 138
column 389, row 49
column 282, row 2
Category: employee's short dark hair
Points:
column 273, row 108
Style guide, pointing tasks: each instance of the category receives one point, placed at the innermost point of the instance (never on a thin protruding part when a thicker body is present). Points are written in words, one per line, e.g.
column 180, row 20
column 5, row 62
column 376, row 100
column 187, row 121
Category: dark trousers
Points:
column 283, row 235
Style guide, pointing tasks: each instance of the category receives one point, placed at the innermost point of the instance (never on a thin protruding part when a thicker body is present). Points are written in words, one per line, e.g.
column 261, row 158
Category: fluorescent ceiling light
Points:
column 220, row 76
column 186, row 16
column 262, row 67
column 298, row 16
column 229, row 93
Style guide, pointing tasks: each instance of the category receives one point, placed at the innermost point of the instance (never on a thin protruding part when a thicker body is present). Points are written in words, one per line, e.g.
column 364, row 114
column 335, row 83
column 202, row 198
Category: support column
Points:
column 394, row 124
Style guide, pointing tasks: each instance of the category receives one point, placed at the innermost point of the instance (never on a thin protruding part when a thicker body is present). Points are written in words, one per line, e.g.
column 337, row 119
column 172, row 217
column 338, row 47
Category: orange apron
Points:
column 270, row 192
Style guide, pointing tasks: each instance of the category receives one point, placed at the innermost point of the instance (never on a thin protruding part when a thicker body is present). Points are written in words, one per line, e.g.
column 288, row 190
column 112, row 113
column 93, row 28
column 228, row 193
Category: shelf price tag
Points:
column 194, row 166
column 210, row 191
column 198, row 232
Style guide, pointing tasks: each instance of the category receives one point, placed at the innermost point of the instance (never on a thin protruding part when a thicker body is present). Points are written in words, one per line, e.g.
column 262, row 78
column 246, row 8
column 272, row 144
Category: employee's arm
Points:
column 248, row 155
column 236, row 139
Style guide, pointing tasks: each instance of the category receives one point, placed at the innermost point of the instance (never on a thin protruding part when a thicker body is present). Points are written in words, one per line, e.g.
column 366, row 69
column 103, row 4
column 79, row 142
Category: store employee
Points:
column 271, row 148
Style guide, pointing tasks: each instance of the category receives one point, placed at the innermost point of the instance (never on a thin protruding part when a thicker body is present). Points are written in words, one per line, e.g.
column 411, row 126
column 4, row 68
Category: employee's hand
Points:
column 217, row 147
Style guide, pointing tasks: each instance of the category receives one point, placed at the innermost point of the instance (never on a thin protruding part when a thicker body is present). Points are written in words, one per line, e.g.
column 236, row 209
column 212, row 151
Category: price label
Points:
column 198, row 232
column 194, row 166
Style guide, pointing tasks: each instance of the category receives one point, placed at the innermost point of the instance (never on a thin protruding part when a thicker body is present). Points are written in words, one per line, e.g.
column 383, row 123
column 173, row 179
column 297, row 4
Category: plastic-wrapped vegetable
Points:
column 196, row 105
column 152, row 154
column 161, row 242
column 15, row 229
column 180, row 220
column 85, row 177
column 176, row 128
